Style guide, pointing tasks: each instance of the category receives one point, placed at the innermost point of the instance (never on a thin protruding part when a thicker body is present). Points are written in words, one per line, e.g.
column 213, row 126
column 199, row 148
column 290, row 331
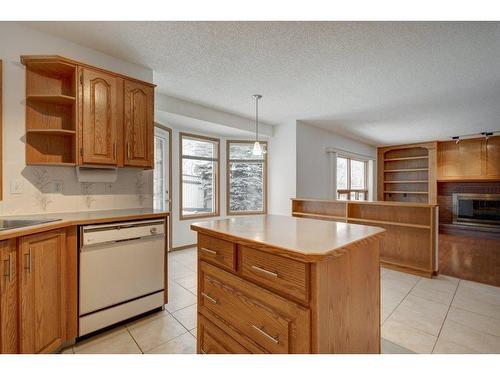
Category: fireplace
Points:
column 477, row 209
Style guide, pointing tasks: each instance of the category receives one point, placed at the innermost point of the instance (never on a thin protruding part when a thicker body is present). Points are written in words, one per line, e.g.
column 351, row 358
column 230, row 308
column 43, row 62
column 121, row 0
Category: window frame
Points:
column 349, row 190
column 216, row 194
column 228, row 180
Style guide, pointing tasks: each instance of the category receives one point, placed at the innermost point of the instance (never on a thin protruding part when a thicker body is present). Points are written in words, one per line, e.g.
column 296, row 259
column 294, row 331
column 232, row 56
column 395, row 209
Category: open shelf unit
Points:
column 407, row 173
column 51, row 111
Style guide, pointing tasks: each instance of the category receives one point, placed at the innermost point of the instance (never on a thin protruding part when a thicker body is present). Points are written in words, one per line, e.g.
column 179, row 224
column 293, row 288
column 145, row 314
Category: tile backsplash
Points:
column 39, row 189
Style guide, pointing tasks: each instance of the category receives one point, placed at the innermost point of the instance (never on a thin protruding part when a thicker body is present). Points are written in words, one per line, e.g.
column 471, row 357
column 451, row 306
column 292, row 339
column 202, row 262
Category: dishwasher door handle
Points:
column 92, row 246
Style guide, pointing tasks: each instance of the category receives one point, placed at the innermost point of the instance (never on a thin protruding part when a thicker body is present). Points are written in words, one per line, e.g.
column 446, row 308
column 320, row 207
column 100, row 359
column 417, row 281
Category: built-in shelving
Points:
column 57, row 99
column 51, row 111
column 407, row 173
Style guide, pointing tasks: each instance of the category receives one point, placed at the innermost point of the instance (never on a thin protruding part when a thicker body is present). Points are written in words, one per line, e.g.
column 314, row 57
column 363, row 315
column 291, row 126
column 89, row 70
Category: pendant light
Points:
column 257, row 149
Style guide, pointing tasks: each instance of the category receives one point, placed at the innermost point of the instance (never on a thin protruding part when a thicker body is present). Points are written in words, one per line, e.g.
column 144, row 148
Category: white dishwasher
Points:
column 122, row 272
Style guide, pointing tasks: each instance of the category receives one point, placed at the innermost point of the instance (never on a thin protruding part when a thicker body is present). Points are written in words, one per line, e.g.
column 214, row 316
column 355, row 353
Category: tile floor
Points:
column 442, row 315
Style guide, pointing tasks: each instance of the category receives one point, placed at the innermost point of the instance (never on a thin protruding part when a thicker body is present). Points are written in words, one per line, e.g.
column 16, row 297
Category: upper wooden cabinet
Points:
column 470, row 159
column 9, row 341
column 43, row 296
column 138, row 124
column 78, row 114
column 99, row 117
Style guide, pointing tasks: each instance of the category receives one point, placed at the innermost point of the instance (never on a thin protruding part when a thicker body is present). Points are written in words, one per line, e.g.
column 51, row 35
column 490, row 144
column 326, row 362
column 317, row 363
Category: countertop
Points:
column 305, row 239
column 78, row 218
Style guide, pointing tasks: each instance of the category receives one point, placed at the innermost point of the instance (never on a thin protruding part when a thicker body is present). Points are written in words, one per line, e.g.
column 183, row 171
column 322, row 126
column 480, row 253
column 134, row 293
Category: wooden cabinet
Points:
column 138, row 124
column 471, row 159
column 99, row 117
column 42, row 292
column 77, row 114
column 9, row 341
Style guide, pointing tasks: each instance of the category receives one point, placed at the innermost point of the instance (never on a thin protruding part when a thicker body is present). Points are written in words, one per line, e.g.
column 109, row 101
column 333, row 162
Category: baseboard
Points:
column 183, row 247
column 406, row 269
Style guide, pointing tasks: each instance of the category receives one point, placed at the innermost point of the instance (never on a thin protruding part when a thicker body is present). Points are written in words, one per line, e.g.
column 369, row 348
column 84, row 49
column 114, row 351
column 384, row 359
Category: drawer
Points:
column 217, row 251
column 272, row 322
column 285, row 276
column 213, row 340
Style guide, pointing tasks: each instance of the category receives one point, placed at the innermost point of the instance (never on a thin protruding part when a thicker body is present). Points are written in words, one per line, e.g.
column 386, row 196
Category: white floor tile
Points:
column 153, row 333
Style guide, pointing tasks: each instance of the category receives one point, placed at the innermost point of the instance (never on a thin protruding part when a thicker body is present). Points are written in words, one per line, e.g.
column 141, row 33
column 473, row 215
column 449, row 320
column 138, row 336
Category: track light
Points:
column 457, row 139
column 487, row 134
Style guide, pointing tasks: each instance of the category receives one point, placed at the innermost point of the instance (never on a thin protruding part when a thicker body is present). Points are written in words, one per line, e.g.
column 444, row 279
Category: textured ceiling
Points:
column 383, row 82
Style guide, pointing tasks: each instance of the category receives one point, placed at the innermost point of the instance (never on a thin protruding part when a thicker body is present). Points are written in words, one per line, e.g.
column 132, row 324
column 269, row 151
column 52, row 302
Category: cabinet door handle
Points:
column 114, row 150
column 265, row 334
column 213, row 252
column 8, row 268
column 11, row 265
column 211, row 299
column 29, row 261
column 269, row 273
column 128, row 150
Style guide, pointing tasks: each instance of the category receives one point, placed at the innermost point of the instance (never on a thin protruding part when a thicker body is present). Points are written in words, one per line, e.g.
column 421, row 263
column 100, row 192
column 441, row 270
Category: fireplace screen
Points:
column 476, row 209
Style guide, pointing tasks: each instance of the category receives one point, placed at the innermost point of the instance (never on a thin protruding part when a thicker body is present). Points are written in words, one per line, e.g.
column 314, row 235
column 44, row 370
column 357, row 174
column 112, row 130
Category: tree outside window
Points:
column 246, row 178
column 199, row 176
column 352, row 179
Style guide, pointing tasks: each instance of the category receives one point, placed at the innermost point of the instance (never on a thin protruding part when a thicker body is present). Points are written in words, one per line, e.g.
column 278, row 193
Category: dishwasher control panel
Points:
column 123, row 231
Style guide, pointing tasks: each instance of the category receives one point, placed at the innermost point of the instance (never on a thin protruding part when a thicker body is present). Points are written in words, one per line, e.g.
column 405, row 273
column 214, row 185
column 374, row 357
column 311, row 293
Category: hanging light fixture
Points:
column 257, row 149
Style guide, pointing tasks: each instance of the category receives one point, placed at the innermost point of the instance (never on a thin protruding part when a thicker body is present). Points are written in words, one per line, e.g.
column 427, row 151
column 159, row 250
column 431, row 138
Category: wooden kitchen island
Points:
column 278, row 284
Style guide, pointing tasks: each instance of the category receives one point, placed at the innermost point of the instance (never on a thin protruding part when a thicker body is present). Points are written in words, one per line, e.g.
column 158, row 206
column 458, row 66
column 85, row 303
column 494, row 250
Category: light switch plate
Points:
column 16, row 187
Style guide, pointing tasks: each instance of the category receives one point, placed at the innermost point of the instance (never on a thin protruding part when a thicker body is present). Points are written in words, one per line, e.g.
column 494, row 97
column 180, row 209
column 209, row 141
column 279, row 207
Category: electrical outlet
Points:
column 16, row 187
column 58, row 186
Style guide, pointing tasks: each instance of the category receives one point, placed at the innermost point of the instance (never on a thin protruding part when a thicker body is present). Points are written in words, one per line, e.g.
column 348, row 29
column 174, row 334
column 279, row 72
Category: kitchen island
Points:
column 278, row 284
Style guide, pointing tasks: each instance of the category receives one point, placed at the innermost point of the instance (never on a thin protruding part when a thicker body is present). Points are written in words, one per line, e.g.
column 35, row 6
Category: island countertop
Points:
column 305, row 239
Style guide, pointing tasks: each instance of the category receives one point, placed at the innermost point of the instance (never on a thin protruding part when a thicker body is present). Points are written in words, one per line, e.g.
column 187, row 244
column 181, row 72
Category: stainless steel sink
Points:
column 19, row 223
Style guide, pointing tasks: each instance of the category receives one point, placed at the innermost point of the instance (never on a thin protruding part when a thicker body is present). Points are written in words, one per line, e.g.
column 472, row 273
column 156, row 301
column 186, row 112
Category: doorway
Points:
column 162, row 180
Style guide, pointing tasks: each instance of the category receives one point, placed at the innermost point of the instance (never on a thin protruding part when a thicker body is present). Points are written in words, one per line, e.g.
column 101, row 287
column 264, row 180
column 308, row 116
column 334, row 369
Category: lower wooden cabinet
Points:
column 42, row 292
column 38, row 291
column 9, row 342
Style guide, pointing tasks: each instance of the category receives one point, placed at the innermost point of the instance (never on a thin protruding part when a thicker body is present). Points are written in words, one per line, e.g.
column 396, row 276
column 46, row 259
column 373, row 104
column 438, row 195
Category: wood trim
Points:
column 170, row 193
column 183, row 247
column 1, row 130
column 265, row 184
column 217, row 177
column 26, row 59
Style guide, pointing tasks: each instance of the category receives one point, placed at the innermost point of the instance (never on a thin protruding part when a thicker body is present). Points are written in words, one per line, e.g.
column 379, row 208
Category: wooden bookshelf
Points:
column 409, row 244
column 407, row 173
column 51, row 111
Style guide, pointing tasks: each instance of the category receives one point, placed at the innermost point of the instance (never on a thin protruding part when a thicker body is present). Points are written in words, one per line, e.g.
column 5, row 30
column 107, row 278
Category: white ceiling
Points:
column 383, row 82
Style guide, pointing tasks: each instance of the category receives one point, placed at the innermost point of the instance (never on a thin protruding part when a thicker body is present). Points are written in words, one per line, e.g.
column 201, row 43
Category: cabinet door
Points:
column 99, row 117
column 138, row 117
column 461, row 161
column 42, row 318
column 493, row 157
column 8, row 297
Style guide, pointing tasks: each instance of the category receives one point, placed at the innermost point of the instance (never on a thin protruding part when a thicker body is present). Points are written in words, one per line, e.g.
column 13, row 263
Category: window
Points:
column 161, row 173
column 246, row 178
column 352, row 179
column 199, row 176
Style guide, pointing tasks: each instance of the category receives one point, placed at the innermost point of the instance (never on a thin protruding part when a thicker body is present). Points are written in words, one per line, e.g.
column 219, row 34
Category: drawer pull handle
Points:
column 265, row 334
column 213, row 300
column 213, row 252
column 269, row 273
